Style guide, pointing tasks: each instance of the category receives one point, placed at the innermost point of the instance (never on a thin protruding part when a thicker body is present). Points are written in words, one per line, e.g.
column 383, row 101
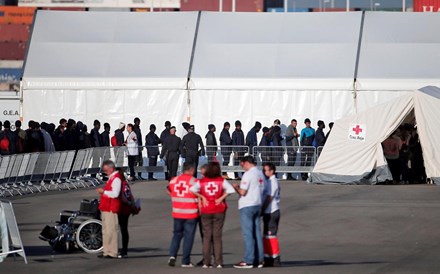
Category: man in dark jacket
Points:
column 119, row 134
column 211, row 143
column 320, row 136
column 238, row 140
column 191, row 143
column 251, row 137
column 105, row 135
column 10, row 137
column 34, row 138
column 166, row 132
column 264, row 144
column 71, row 136
column 171, row 151
column 152, row 142
column 95, row 135
column 226, row 140
column 137, row 129
column 276, row 139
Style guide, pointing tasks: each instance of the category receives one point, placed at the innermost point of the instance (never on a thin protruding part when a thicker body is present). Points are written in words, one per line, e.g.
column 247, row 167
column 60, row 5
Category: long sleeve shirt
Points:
column 116, row 188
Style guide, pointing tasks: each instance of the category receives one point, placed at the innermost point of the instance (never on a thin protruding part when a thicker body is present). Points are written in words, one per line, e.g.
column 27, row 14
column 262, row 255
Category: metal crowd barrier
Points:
column 293, row 159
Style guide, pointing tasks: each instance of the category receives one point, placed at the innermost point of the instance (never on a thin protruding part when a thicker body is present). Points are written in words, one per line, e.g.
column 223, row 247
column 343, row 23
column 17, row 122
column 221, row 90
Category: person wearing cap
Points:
column 171, row 151
column 238, row 142
column 307, row 139
column 265, row 143
column 251, row 137
column 211, row 144
column 320, row 136
column 185, row 126
column 225, row 141
column 152, row 142
column 119, row 134
column 190, row 148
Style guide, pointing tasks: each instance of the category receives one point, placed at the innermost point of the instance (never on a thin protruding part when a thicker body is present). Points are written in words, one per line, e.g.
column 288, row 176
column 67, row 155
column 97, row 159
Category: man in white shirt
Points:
column 250, row 203
column 271, row 217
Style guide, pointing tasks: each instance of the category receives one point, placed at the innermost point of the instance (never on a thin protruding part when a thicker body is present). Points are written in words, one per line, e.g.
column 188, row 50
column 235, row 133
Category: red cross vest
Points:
column 212, row 189
column 107, row 204
column 185, row 203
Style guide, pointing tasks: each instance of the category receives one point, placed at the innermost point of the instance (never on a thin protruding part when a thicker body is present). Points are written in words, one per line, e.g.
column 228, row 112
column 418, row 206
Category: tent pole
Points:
column 285, row 6
column 348, row 5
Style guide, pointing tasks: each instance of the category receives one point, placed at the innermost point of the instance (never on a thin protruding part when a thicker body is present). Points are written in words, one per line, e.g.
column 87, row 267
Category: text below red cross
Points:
column 357, row 129
column 181, row 188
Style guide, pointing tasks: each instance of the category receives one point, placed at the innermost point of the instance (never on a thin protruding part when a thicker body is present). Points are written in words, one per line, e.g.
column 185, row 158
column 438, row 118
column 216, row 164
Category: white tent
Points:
column 353, row 153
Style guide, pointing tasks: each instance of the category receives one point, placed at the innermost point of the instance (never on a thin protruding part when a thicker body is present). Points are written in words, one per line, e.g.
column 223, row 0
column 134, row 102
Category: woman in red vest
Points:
column 212, row 191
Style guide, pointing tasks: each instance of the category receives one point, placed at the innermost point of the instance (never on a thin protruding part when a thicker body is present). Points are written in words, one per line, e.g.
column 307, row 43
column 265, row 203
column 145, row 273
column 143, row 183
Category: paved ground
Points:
column 324, row 229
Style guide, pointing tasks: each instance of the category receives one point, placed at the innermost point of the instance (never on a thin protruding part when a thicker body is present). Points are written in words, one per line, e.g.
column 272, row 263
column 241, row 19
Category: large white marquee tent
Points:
column 216, row 67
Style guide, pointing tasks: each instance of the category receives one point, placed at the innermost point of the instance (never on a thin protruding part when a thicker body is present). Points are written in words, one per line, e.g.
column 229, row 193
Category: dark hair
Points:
column 213, row 170
column 152, row 126
column 293, row 120
column 187, row 166
column 130, row 125
column 249, row 159
column 7, row 124
column 136, row 120
column 106, row 125
column 226, row 124
column 96, row 122
column 257, row 125
column 277, row 122
column 167, row 123
column 18, row 123
column 270, row 166
column 320, row 123
column 30, row 123
column 62, row 121
column 109, row 163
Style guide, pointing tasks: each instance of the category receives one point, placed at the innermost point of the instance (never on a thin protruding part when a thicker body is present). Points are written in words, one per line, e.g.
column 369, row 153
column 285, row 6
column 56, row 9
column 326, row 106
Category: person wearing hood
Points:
column 211, row 144
column 251, row 137
column 190, row 148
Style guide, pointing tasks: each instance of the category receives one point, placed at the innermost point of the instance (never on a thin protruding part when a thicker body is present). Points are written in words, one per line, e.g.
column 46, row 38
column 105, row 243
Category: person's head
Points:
column 203, row 170
column 51, row 128
column 257, row 126
column 307, row 122
column 173, row 130
column 71, row 123
column 330, row 125
column 18, row 124
column 269, row 169
column 188, row 168
column 44, row 125
column 84, row 129
column 108, row 167
column 168, row 124
column 294, row 123
column 211, row 128
column 97, row 124
column 191, row 128
column 107, row 127
column 130, row 128
column 137, row 121
column 121, row 173
column 321, row 124
column 237, row 125
column 213, row 170
column 37, row 126
column 30, row 124
column 153, row 128
column 247, row 162
column 277, row 122
column 226, row 125
column 266, row 131
column 63, row 122
column 7, row 124
column 121, row 127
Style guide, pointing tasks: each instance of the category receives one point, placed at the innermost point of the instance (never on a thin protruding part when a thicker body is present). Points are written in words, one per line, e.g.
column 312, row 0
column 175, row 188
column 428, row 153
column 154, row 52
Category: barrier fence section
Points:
column 292, row 159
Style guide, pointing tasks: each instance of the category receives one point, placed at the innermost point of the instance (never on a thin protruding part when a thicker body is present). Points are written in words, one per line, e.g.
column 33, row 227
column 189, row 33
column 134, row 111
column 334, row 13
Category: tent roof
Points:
column 110, row 50
column 276, row 51
column 398, row 51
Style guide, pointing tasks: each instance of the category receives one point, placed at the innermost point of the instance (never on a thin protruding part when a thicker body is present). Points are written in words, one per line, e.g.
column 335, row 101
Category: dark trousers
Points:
column 194, row 160
column 139, row 162
column 186, row 229
column 123, row 224
column 131, row 162
column 152, row 161
column 172, row 166
column 211, row 152
column 212, row 236
column 291, row 158
column 307, row 158
column 237, row 157
column 394, row 166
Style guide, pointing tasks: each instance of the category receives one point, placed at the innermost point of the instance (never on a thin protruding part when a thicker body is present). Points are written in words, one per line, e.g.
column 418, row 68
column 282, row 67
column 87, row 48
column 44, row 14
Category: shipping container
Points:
column 427, row 5
column 12, row 50
column 214, row 5
column 14, row 32
column 331, row 9
column 64, row 8
column 10, row 75
column 16, row 15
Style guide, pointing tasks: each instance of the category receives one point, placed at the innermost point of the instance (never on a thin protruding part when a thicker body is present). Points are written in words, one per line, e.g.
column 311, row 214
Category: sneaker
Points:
column 243, row 265
column 190, row 265
column 219, row 266
column 172, row 262
column 260, row 265
column 206, row 266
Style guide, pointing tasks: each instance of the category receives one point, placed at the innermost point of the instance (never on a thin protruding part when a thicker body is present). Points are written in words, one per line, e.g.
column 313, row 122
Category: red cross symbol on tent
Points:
column 357, row 129
column 211, row 188
column 181, row 188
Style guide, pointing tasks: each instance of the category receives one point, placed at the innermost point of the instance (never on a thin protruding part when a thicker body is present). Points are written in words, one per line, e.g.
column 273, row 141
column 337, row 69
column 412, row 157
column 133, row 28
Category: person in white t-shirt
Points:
column 250, row 203
column 271, row 217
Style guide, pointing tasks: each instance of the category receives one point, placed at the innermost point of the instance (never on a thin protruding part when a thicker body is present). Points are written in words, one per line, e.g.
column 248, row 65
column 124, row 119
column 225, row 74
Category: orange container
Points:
column 16, row 15
column 12, row 50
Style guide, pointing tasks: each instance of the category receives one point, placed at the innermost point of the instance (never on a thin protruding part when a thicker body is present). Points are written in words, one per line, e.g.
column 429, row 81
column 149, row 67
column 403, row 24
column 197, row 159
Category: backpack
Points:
column 4, row 143
column 114, row 141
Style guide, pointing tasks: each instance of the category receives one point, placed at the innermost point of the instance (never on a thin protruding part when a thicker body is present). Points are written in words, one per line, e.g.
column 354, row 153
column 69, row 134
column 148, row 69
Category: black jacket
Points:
column 105, row 138
column 151, row 142
column 119, row 137
column 225, row 138
column 12, row 138
column 95, row 138
column 275, row 136
column 320, row 137
column 171, row 147
column 210, row 139
column 164, row 135
column 190, row 145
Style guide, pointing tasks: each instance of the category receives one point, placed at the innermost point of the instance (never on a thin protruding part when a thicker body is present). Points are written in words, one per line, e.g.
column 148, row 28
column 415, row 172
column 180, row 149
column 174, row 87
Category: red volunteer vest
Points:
column 212, row 189
column 106, row 203
column 185, row 203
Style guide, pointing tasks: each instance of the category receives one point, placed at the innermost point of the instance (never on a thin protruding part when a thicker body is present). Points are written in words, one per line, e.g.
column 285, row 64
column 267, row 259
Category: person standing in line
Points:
column 21, row 136
column 212, row 191
column 211, row 143
column 238, row 140
column 48, row 142
column 8, row 140
column 166, row 132
column 264, row 144
column 171, row 151
column 109, row 205
column 330, row 126
column 119, row 134
column 152, row 142
column 185, row 215
column 251, row 137
column 226, row 140
column 132, row 150
column 190, row 148
column 320, row 136
column 271, row 217
column 307, row 139
column 95, row 135
column 292, row 145
column 105, row 135
column 277, row 150
column 250, row 191
column 139, row 160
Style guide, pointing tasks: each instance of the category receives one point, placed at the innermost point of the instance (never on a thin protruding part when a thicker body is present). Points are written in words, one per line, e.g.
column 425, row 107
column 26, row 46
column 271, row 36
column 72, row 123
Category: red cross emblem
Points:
column 211, row 188
column 357, row 129
column 181, row 188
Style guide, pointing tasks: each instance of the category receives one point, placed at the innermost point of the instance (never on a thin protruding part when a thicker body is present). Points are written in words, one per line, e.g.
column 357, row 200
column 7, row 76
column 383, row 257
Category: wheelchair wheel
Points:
column 89, row 236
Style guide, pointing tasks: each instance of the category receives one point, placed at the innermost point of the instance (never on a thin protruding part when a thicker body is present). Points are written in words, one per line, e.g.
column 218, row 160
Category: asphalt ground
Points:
column 324, row 229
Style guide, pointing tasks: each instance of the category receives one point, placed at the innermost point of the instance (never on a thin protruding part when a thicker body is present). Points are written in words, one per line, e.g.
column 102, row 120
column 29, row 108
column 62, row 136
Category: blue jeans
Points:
column 186, row 229
column 251, row 230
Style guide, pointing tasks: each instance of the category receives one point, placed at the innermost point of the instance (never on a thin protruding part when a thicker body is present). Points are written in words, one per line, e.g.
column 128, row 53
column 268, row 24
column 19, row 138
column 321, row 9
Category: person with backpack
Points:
column 118, row 139
column 8, row 140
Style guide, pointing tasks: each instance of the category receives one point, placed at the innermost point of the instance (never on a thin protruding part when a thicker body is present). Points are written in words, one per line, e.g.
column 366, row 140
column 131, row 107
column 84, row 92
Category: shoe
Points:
column 131, row 179
column 243, row 265
column 277, row 262
column 190, row 265
column 206, row 266
column 172, row 261
column 200, row 263
column 260, row 265
column 219, row 266
column 107, row 257
column 122, row 256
